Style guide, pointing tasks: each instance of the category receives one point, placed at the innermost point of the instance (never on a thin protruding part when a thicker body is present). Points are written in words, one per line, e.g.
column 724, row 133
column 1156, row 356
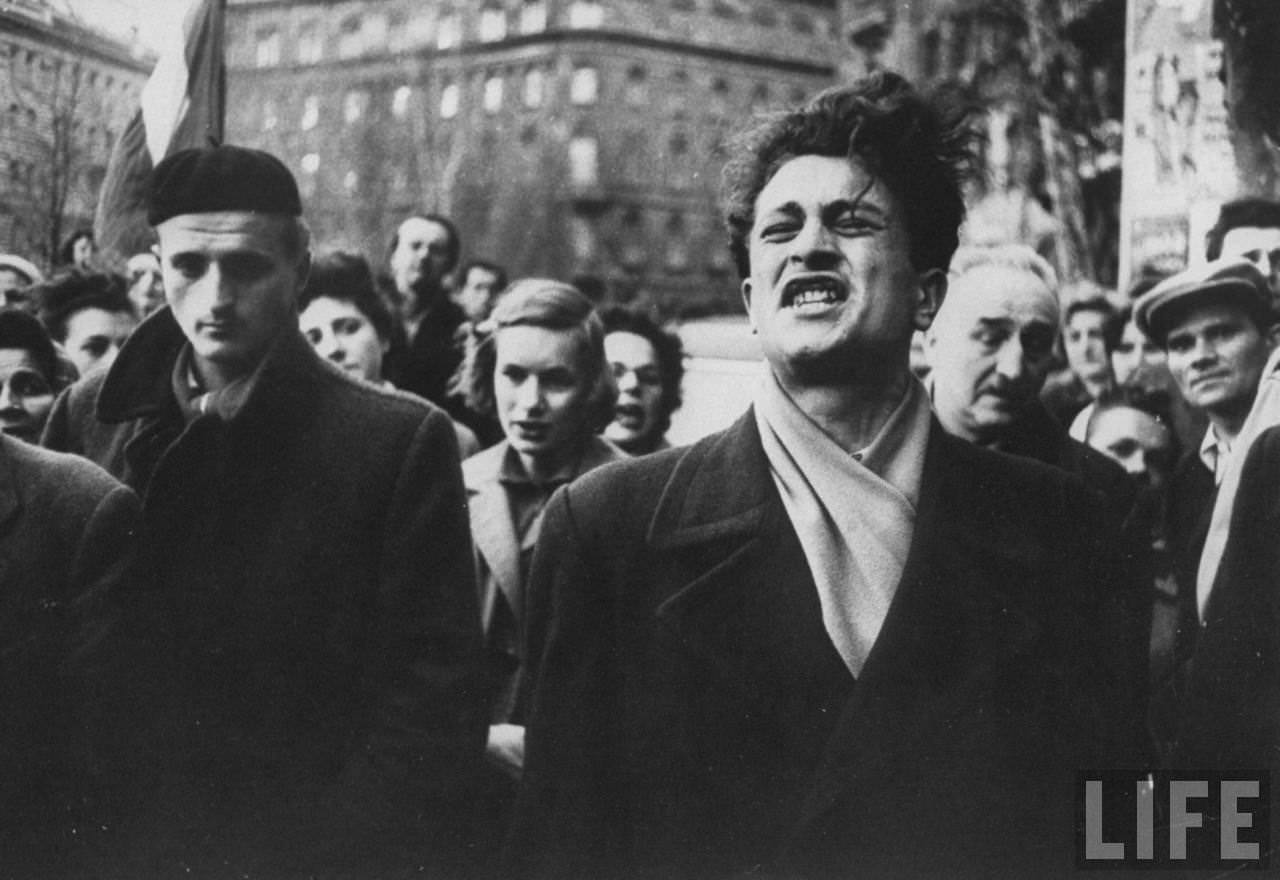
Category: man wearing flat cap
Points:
column 309, row 544
column 1216, row 325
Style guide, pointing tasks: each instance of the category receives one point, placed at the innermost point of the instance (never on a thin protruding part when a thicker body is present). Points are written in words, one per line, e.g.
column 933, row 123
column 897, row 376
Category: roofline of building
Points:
column 77, row 39
column 559, row 36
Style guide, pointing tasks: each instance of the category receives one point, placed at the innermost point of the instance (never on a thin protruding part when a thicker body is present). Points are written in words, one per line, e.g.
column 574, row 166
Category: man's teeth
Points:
column 816, row 294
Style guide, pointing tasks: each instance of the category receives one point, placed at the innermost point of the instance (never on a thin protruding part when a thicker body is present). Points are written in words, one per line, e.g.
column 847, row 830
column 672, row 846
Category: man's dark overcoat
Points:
column 691, row 717
column 315, row 604
column 68, row 534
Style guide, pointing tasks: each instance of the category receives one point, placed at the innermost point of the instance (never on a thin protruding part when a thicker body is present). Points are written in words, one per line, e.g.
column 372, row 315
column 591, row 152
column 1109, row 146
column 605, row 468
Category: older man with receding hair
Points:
column 308, row 536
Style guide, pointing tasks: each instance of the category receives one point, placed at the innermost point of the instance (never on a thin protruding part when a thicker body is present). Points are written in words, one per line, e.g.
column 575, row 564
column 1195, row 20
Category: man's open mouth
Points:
column 805, row 292
column 629, row 415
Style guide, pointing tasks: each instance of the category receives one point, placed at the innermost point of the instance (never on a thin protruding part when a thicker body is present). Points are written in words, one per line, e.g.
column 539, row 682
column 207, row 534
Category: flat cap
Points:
column 221, row 178
column 1232, row 280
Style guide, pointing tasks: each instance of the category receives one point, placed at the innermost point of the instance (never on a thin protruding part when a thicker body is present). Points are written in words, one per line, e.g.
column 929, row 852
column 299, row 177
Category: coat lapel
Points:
column 492, row 530
column 952, row 627
column 10, row 505
column 747, row 608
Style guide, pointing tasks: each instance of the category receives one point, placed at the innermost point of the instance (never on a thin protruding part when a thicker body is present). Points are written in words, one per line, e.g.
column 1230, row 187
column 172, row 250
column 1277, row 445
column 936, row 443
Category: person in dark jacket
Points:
column 68, row 535
column 831, row 639
column 308, row 539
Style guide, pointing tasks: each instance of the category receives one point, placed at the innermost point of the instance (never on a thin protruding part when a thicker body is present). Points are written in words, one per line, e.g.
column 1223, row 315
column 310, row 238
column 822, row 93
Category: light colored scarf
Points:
column 1264, row 414
column 854, row 513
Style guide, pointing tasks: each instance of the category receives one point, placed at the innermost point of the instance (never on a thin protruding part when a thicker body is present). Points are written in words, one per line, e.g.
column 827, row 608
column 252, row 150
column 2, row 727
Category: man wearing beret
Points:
column 1215, row 323
column 309, row 543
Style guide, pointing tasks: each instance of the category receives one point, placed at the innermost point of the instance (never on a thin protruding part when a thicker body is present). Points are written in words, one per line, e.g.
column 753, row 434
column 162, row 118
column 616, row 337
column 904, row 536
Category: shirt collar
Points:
column 194, row 400
column 1214, row 452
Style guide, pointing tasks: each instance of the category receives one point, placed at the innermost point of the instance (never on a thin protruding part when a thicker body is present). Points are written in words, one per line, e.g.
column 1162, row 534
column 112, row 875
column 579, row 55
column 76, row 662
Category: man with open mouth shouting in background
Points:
column 830, row 639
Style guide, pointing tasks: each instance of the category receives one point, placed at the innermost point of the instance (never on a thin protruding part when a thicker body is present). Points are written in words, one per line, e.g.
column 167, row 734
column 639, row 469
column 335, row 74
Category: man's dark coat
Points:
column 67, row 539
column 315, row 604
column 691, row 718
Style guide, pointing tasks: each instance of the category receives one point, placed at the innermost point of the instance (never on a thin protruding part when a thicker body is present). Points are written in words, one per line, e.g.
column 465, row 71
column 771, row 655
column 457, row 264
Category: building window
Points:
column 419, row 30
column 493, row 24
column 759, row 97
column 685, row 5
column 310, row 112
column 677, row 256
column 724, row 9
column 449, row 31
column 350, row 39
column 375, row 32
column 679, row 144
column 493, row 94
column 583, row 161
column 400, row 102
column 765, row 15
column 584, row 88
column 581, row 238
column 801, row 23
column 269, row 119
column 268, row 47
column 310, row 43
column 534, row 84
column 450, row 97
column 586, row 14
column 353, row 105
column 637, row 88
column 533, row 17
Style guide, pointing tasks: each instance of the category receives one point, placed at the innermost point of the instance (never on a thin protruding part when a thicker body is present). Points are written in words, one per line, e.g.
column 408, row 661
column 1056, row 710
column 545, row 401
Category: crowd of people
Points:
column 323, row 566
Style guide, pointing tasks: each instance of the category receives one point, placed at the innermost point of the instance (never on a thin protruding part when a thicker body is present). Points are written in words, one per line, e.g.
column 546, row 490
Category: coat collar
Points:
column 492, row 530
column 10, row 502
column 750, row 610
column 139, row 382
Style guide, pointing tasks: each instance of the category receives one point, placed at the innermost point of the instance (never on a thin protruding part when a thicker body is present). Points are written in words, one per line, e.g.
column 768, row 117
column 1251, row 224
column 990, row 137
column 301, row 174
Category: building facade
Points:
column 566, row 138
column 66, row 93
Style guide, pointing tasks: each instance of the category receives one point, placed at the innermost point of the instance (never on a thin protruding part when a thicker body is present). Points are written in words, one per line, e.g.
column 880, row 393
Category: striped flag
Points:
column 183, row 105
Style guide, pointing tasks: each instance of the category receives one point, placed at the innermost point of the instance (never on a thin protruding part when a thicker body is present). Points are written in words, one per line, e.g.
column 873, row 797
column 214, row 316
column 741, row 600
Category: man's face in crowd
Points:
column 341, row 333
column 832, row 291
column 541, row 391
column 1136, row 441
column 1261, row 246
column 638, row 412
column 146, row 287
column 13, row 290
column 94, row 337
column 1135, row 351
column 1216, row 354
column 424, row 251
column 990, row 349
column 25, row 395
column 232, row 284
column 1086, row 345
column 477, row 293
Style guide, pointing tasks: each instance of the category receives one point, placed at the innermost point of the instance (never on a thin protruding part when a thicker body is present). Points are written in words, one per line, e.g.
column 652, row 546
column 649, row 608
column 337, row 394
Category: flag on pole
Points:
column 183, row 105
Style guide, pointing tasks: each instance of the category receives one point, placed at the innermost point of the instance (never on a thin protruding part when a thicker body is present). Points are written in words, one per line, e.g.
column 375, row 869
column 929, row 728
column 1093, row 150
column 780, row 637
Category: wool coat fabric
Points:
column 67, row 541
column 314, row 604
column 691, row 719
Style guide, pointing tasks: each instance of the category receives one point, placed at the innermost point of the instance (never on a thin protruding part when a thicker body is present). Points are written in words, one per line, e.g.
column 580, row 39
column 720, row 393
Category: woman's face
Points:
column 541, row 390
column 341, row 333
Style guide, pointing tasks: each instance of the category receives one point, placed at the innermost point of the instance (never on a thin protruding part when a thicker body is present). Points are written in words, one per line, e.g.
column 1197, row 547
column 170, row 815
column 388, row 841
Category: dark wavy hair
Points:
column 538, row 302
column 63, row 296
column 922, row 148
column 345, row 276
column 21, row 330
column 667, row 347
column 67, row 250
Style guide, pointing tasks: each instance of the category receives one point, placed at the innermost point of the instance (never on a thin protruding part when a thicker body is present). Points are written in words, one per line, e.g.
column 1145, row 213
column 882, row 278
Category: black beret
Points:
column 222, row 178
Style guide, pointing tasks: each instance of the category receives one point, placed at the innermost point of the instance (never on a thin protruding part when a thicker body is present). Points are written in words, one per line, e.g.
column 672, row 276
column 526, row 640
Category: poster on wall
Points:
column 1178, row 163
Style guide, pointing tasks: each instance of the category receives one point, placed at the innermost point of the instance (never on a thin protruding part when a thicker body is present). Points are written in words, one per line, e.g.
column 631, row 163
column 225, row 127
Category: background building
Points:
column 566, row 137
column 66, row 93
column 1048, row 78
